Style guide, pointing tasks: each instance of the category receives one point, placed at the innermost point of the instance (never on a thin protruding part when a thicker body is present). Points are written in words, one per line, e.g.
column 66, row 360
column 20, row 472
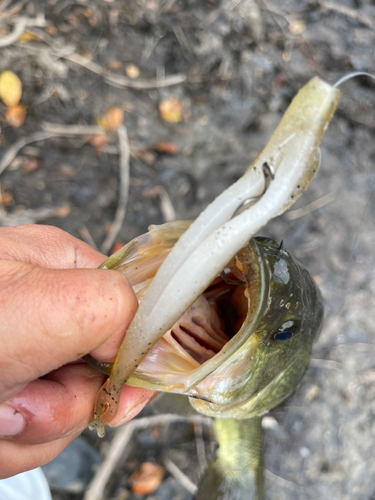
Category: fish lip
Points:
column 259, row 265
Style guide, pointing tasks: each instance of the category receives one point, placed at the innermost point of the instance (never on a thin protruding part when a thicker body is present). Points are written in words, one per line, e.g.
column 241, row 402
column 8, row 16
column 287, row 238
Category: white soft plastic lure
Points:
column 292, row 156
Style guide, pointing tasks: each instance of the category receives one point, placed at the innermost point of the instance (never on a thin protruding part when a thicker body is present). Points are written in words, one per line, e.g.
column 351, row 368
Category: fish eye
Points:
column 283, row 335
column 287, row 330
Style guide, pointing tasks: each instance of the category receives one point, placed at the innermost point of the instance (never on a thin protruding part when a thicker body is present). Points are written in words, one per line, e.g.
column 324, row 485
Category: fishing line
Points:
column 345, row 281
column 352, row 75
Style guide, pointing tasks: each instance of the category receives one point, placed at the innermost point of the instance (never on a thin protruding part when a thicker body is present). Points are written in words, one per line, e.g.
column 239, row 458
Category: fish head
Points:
column 281, row 325
column 245, row 343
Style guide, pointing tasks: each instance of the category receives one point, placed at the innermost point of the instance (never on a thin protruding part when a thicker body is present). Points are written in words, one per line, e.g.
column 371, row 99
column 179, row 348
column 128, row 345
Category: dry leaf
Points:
column 27, row 36
column 99, row 141
column 29, row 165
column 10, row 88
column 132, row 71
column 115, row 65
column 147, row 478
column 6, row 198
column 112, row 119
column 171, row 110
column 51, row 29
column 15, row 115
column 62, row 211
column 169, row 148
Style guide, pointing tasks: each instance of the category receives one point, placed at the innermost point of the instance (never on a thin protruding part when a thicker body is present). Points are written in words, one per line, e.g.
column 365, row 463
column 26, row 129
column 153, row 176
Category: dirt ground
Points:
column 238, row 64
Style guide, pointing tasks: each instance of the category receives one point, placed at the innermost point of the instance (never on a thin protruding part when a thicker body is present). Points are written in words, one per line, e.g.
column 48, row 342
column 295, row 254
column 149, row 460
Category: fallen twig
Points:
column 18, row 145
column 95, row 490
column 69, row 130
column 124, row 189
column 85, row 234
column 50, row 130
column 342, row 9
column 282, row 482
column 181, row 478
column 57, row 130
column 123, row 81
column 5, row 13
column 166, row 205
column 20, row 26
column 199, row 443
column 31, row 216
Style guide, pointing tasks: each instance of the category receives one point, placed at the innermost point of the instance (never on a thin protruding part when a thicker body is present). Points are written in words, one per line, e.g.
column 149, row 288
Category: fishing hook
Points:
column 269, row 175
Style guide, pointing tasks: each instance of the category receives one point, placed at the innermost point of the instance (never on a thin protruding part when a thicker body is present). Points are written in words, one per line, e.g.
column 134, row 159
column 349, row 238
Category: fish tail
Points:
column 237, row 471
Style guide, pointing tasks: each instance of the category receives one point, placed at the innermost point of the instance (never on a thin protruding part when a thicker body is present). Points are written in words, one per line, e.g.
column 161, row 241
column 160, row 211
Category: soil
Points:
column 244, row 61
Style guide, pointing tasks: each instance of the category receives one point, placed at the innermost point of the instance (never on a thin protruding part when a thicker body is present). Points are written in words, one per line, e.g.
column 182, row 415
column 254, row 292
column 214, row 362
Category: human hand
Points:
column 53, row 311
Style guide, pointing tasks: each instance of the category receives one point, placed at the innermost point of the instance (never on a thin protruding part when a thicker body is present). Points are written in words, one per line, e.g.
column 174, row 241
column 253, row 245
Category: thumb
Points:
column 53, row 316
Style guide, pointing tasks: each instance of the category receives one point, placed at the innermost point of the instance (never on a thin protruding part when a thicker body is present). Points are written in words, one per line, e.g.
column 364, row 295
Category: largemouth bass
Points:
column 265, row 310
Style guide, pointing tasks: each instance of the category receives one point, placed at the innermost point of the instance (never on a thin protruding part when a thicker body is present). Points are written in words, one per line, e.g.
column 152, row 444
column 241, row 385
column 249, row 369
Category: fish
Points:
column 238, row 364
column 266, row 311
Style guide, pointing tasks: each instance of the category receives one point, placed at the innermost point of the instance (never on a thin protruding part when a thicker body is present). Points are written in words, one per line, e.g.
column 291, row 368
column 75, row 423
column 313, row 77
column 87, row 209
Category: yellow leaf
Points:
column 10, row 88
column 27, row 36
column 171, row 110
column 111, row 120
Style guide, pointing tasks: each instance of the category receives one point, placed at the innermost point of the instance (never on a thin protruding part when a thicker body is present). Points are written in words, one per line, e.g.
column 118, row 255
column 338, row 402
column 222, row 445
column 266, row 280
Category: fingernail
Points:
column 131, row 413
column 11, row 421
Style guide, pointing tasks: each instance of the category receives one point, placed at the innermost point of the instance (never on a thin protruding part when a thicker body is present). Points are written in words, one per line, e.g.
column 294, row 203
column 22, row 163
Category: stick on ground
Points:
column 124, row 189
column 95, row 490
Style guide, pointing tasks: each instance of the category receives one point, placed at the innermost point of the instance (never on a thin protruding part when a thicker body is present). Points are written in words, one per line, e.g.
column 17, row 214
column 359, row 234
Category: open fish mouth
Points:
column 197, row 336
column 213, row 327
column 205, row 338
